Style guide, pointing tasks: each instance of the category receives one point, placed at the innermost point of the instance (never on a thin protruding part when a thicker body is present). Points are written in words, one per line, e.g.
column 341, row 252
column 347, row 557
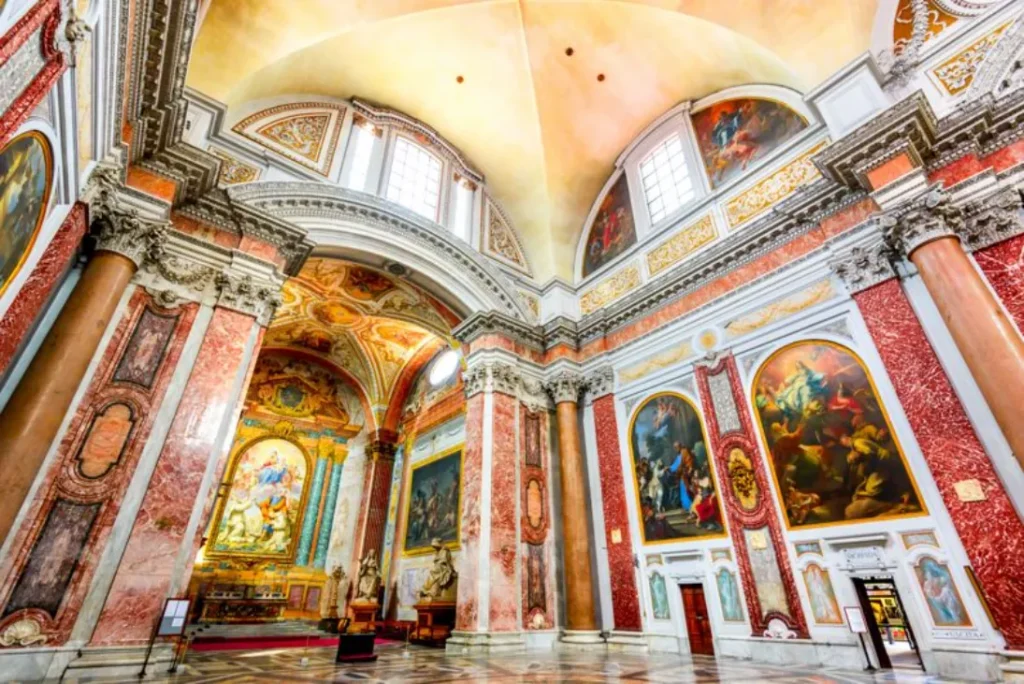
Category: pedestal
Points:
column 364, row 616
column 356, row 648
column 434, row 622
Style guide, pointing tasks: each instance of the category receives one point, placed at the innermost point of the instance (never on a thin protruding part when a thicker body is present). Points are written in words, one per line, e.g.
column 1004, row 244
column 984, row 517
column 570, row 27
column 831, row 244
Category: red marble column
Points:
column 55, row 550
column 377, row 487
column 28, row 304
column 144, row 576
column 625, row 597
column 467, row 610
column 990, row 531
column 731, row 435
column 504, row 595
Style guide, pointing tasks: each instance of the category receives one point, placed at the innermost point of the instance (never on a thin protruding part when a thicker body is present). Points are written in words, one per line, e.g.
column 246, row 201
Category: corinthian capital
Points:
column 491, row 376
column 600, row 382
column 929, row 218
column 243, row 294
column 118, row 227
column 565, row 385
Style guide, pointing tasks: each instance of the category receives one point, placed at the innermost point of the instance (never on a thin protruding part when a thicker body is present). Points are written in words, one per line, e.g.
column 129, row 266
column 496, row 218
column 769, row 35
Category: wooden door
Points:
column 698, row 624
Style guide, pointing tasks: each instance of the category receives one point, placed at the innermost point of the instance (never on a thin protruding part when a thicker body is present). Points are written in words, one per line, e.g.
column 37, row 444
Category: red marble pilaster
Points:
column 537, row 551
column 467, row 618
column 143, row 578
column 762, row 514
column 28, row 304
column 625, row 597
column 46, row 575
column 990, row 531
column 40, row 25
column 376, row 489
column 502, row 572
column 1003, row 266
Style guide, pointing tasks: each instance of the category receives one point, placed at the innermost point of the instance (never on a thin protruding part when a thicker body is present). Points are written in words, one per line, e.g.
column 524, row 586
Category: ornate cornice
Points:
column 496, row 323
column 565, row 385
column 993, row 219
column 927, row 218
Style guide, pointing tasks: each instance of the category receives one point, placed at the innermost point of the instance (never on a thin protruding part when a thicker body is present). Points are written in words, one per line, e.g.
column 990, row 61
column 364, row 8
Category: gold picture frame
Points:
column 455, row 544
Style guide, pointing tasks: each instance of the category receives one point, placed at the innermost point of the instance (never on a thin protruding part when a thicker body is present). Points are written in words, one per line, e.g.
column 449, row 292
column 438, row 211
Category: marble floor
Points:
column 423, row 665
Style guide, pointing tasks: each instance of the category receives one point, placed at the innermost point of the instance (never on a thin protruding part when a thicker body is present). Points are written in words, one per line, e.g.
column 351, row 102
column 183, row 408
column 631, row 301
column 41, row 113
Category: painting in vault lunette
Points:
column 733, row 134
column 675, row 485
column 613, row 230
column 833, row 455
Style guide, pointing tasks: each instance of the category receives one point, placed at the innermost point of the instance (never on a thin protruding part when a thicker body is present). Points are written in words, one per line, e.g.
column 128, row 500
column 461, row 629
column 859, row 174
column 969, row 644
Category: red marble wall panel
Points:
column 537, row 550
column 39, row 25
column 503, row 550
column 143, row 577
column 262, row 250
column 217, row 236
column 990, row 531
column 467, row 609
column 65, row 479
column 1003, row 266
column 759, row 516
column 1004, row 158
column 956, row 171
column 28, row 303
column 625, row 596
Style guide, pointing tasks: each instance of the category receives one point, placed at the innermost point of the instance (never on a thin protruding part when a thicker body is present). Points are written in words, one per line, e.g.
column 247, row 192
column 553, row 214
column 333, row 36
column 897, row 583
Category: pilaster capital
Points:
column 565, row 385
column 861, row 258
column 533, row 395
column 930, row 217
column 993, row 219
column 600, row 382
column 117, row 223
column 491, row 376
column 247, row 296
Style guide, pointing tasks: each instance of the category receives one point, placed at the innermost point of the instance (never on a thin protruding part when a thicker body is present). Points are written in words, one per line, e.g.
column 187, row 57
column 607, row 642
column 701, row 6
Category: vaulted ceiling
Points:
column 544, row 126
column 378, row 329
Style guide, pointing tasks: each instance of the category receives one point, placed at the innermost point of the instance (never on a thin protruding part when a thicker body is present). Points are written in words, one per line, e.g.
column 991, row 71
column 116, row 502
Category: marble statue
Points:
column 440, row 583
column 333, row 597
column 369, row 577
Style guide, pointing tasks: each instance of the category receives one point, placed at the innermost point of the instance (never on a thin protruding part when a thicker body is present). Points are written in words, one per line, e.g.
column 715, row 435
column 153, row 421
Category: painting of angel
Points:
column 734, row 134
column 613, row 230
column 940, row 593
column 834, row 457
column 675, row 483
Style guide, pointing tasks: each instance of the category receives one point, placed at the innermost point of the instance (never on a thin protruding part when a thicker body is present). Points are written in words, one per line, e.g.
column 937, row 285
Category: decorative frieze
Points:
column 775, row 187
column 956, row 73
column 993, row 219
column 682, row 244
column 610, row 289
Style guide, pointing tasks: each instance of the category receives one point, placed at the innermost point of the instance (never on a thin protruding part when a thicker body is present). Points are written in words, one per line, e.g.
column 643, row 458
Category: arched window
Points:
column 666, row 178
column 415, row 178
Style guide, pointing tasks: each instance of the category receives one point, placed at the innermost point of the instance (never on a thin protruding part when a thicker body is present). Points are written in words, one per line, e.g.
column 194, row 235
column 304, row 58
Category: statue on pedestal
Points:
column 441, row 582
column 369, row 578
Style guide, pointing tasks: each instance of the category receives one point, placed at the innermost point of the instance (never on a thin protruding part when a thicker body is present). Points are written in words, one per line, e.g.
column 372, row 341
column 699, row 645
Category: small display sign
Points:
column 855, row 618
column 172, row 623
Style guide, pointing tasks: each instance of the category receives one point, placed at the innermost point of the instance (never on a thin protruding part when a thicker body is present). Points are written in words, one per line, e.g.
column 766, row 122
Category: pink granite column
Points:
column 625, row 597
column 990, row 530
column 146, row 574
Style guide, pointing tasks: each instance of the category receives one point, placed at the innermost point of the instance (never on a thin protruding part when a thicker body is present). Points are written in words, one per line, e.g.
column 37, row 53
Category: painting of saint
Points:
column 659, row 597
column 675, row 483
column 734, row 134
column 729, row 595
column 434, row 502
column 612, row 231
column 824, row 606
column 261, row 513
column 834, row 458
column 26, row 168
column 941, row 595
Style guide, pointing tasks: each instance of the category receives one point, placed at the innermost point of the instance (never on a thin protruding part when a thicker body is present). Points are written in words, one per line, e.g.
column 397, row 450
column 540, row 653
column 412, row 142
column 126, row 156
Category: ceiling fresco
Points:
column 537, row 121
column 363, row 321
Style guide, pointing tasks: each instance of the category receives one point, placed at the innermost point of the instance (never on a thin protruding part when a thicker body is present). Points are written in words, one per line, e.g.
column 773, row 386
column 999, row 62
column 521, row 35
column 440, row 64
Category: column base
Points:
column 582, row 640
column 482, row 643
column 627, row 642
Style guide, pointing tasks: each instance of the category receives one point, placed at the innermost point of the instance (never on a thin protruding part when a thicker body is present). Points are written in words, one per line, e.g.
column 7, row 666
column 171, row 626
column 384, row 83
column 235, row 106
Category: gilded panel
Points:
column 680, row 245
column 957, row 73
column 775, row 187
column 610, row 289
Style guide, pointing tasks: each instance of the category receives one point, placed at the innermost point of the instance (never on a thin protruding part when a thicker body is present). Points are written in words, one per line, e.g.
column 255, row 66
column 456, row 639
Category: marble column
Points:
column 927, row 233
column 31, row 419
column 323, row 540
column 565, row 387
column 381, row 460
column 625, row 596
column 312, row 512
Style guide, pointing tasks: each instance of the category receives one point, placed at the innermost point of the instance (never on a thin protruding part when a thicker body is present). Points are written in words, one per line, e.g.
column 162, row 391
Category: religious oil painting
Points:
column 261, row 513
column 613, row 231
column 434, row 502
column 659, row 597
column 734, row 134
column 941, row 594
column 26, row 168
column 141, row 359
column 834, row 457
column 675, row 484
column 729, row 596
column 824, row 606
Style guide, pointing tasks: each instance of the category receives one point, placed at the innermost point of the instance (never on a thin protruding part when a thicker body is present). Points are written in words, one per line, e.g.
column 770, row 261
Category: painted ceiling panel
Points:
column 539, row 124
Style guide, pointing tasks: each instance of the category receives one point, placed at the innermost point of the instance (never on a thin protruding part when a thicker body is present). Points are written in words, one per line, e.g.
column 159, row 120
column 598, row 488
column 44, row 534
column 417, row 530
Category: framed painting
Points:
column 434, row 502
column 26, row 174
column 261, row 514
column 676, row 493
column 734, row 134
column 822, row 596
column 833, row 454
column 613, row 231
column 729, row 596
column 940, row 593
column 659, row 597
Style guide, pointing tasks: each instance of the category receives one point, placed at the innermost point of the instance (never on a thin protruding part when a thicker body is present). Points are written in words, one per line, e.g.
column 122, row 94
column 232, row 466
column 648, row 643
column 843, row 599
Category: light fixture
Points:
column 443, row 367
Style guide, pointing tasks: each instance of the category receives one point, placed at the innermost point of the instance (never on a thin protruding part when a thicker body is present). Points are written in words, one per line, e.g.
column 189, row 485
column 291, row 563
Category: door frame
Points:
column 681, row 584
column 874, row 631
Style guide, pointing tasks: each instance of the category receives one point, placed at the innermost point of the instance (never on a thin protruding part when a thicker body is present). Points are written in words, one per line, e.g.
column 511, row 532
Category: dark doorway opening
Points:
column 888, row 625
column 698, row 624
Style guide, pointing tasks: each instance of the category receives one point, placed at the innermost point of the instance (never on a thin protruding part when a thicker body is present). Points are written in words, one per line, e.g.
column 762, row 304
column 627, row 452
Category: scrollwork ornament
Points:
column 76, row 32
column 600, row 382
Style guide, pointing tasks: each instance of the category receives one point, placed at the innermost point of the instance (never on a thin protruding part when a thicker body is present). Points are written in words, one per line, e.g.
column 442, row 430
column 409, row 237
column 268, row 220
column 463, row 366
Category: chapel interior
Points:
column 512, row 340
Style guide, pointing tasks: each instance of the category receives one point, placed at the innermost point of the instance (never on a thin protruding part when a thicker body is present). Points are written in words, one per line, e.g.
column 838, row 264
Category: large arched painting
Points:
column 612, row 231
column 833, row 453
column 675, row 483
column 261, row 514
column 26, row 167
column 734, row 134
